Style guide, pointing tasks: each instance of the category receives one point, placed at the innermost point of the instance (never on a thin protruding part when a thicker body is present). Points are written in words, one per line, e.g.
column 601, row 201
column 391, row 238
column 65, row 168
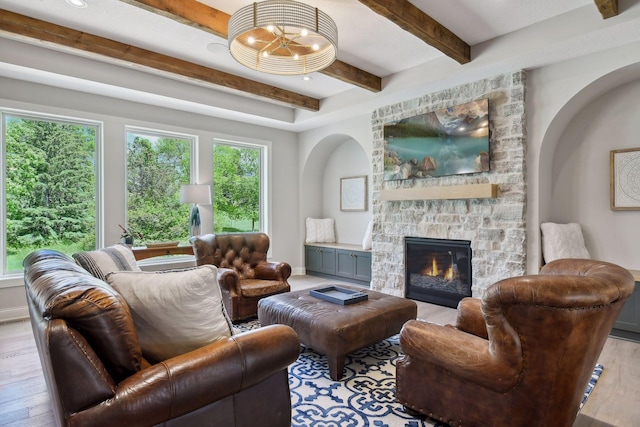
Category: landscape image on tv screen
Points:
column 450, row 141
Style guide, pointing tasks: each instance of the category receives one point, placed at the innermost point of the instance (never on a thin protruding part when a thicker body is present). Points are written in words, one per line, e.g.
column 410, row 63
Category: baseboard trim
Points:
column 13, row 314
column 298, row 271
column 625, row 335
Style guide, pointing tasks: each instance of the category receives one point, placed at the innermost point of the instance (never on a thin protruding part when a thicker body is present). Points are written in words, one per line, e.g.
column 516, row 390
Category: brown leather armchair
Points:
column 96, row 374
column 244, row 274
column 521, row 356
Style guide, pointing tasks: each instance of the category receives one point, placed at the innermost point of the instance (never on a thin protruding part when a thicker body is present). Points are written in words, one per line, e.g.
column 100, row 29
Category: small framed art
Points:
column 625, row 179
column 353, row 194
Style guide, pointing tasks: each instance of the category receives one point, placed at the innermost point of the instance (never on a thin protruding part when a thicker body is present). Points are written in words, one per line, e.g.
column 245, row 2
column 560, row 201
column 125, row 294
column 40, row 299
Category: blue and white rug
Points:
column 597, row 371
column 365, row 397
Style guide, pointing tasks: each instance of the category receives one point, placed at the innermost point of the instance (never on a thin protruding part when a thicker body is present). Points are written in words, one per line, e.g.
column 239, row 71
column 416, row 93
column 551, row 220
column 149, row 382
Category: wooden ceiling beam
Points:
column 607, row 8
column 214, row 21
column 188, row 12
column 411, row 19
column 40, row 30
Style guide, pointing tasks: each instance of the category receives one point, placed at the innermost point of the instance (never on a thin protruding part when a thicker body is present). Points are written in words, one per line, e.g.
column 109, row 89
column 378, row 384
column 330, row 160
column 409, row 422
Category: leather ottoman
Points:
column 336, row 330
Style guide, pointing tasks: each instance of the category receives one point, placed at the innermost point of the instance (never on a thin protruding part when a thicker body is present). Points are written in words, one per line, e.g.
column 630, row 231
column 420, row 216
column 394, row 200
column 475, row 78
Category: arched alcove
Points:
column 334, row 157
column 572, row 177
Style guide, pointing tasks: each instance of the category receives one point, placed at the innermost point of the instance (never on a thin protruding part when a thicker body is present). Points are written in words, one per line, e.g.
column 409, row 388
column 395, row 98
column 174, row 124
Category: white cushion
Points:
column 320, row 230
column 174, row 312
column 562, row 241
column 101, row 262
column 367, row 242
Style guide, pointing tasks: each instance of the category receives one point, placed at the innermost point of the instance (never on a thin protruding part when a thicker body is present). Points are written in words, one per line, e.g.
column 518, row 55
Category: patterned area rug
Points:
column 365, row 397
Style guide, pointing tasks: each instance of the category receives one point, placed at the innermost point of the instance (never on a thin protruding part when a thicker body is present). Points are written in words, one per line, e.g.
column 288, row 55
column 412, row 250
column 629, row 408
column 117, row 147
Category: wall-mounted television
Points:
column 451, row 141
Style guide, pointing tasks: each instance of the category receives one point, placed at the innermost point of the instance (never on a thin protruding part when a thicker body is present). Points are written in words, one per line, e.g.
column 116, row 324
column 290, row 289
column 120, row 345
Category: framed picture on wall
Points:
column 353, row 194
column 625, row 179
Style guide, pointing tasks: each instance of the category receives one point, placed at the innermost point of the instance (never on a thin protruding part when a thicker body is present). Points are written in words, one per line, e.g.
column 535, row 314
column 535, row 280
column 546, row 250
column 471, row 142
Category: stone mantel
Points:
column 444, row 192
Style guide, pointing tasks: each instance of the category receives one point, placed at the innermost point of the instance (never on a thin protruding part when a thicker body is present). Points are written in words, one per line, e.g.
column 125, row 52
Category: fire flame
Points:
column 448, row 274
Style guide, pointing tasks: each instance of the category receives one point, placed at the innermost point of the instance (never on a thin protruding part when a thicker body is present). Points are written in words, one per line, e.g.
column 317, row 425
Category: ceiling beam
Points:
column 607, row 8
column 214, row 21
column 25, row 26
column 411, row 19
column 188, row 12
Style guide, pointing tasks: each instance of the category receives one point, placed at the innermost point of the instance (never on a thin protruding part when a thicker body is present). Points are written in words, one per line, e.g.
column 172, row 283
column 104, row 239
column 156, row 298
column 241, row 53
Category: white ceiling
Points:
column 366, row 40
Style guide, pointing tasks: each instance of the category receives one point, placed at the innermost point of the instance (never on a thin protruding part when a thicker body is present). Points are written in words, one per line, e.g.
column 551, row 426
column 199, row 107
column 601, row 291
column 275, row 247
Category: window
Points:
column 238, row 190
column 157, row 165
column 49, row 186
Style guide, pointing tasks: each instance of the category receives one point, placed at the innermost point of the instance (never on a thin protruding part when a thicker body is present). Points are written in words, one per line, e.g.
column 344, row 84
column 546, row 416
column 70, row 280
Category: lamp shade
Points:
column 283, row 37
column 195, row 193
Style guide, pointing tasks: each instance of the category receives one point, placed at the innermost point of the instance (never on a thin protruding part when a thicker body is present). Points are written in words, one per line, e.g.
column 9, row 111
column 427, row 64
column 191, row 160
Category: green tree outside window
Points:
column 50, row 183
column 156, row 168
column 236, row 190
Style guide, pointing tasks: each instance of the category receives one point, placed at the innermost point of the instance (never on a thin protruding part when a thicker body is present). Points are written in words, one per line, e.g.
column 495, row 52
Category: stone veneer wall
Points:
column 495, row 227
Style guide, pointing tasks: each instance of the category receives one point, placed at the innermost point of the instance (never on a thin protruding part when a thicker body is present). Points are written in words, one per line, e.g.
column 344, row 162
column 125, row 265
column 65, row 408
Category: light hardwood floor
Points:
column 24, row 400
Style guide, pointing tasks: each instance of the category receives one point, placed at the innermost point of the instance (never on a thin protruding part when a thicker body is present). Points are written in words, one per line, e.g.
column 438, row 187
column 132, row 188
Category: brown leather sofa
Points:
column 96, row 374
column 521, row 356
column 244, row 274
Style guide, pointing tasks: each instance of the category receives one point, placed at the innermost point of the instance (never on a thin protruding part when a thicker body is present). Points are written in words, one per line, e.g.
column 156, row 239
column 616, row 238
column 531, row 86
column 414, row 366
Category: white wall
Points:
column 347, row 160
column 557, row 94
column 316, row 148
column 116, row 114
column 580, row 175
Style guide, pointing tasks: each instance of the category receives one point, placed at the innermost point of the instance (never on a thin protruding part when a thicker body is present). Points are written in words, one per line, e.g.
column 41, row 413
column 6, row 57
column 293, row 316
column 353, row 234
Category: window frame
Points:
column 98, row 175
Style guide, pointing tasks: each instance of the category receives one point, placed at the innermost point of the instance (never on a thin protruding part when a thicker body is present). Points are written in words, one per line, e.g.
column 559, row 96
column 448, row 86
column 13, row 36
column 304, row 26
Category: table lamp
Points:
column 195, row 194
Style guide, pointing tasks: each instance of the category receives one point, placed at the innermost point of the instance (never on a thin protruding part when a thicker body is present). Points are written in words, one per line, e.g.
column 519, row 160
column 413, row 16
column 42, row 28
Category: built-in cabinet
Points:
column 628, row 323
column 320, row 260
column 341, row 261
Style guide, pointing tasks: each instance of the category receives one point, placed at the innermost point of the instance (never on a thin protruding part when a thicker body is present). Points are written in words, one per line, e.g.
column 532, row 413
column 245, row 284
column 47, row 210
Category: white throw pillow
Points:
column 174, row 312
column 367, row 242
column 320, row 230
column 562, row 241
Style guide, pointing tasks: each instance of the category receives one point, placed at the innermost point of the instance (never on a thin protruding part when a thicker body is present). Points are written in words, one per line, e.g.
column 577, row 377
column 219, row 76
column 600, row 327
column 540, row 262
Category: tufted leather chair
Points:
column 96, row 375
column 244, row 273
column 521, row 356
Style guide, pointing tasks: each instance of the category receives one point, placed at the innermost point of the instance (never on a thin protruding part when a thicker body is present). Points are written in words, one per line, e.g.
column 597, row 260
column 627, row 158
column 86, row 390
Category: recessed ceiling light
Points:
column 217, row 48
column 77, row 3
column 307, row 77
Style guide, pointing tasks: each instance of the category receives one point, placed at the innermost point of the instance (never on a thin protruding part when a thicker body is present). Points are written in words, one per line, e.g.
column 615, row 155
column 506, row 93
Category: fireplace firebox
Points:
column 437, row 271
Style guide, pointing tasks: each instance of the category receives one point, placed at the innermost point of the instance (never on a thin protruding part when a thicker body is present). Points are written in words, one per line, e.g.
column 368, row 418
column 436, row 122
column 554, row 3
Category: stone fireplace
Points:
column 494, row 225
column 437, row 271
